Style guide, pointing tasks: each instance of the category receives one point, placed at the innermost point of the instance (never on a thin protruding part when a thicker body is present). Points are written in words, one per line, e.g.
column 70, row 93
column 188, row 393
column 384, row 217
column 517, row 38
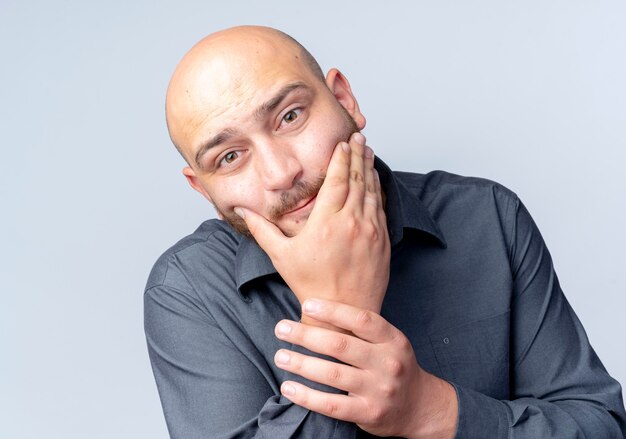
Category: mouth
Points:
column 304, row 204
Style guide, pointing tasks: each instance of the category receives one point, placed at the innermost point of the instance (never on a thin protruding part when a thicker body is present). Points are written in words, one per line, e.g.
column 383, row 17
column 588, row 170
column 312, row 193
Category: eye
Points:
column 229, row 157
column 292, row 115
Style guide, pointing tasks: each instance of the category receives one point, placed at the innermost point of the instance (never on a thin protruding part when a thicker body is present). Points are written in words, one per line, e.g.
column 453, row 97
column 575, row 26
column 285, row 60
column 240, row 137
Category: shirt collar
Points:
column 404, row 210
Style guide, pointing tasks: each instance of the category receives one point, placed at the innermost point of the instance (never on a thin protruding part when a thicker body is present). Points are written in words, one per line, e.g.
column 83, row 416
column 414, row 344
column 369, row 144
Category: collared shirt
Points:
column 471, row 285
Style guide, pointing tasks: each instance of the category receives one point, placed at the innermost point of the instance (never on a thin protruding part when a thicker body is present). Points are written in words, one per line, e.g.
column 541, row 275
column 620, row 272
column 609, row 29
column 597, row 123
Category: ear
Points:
column 194, row 182
column 340, row 88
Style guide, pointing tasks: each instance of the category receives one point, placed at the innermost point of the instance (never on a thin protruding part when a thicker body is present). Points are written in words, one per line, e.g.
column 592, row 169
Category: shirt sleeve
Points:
column 559, row 387
column 209, row 387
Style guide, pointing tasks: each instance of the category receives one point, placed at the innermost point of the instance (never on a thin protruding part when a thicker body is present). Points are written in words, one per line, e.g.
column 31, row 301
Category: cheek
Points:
column 325, row 146
column 227, row 196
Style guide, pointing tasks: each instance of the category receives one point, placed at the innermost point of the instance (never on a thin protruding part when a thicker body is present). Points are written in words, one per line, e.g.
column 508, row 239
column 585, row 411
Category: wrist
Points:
column 437, row 413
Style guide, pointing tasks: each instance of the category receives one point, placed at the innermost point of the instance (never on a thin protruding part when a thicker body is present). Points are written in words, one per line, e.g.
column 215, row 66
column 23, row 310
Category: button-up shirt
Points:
column 472, row 286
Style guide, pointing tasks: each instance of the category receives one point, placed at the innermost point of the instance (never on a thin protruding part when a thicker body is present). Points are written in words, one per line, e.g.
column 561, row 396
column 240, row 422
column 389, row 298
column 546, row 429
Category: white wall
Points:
column 531, row 94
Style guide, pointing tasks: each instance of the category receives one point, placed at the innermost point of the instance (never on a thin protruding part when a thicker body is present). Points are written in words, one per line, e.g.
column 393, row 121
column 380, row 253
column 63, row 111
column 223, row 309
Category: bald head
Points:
column 226, row 63
column 257, row 122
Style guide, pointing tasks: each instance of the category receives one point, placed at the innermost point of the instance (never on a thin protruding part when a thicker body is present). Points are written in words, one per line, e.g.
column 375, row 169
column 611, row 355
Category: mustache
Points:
column 289, row 200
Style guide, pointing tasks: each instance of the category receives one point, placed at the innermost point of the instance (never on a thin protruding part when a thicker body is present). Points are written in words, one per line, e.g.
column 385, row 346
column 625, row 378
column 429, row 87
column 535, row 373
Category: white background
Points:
column 531, row 94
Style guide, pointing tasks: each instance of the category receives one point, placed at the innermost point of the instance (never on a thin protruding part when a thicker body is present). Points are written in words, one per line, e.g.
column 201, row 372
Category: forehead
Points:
column 224, row 86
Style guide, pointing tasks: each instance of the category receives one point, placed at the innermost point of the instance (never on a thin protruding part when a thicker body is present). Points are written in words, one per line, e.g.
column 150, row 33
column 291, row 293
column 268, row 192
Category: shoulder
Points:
column 209, row 251
column 439, row 188
column 468, row 210
column 442, row 181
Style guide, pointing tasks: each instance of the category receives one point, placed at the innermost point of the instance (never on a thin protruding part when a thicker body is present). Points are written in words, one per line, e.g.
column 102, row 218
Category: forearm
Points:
column 439, row 414
column 533, row 418
column 559, row 386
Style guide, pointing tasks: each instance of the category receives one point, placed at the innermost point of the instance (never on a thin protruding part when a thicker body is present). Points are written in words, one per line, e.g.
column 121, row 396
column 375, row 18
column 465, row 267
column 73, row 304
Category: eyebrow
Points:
column 259, row 114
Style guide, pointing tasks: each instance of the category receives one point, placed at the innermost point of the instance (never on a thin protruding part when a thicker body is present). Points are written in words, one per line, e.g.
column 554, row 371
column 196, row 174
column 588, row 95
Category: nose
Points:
column 277, row 165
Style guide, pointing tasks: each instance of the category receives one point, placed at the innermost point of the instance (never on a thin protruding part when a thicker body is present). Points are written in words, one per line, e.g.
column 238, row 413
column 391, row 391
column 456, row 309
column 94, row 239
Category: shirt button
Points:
column 446, row 340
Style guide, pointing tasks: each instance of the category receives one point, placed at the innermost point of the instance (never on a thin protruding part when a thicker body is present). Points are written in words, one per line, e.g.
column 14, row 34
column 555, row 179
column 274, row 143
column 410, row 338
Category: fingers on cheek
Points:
column 343, row 154
column 358, row 151
column 344, row 146
column 358, row 139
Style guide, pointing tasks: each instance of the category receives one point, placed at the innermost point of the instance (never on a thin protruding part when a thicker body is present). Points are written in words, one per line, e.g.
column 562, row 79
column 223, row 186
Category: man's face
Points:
column 263, row 139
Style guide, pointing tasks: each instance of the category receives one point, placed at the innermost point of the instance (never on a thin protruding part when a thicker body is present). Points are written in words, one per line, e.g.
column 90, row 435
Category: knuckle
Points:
column 376, row 415
column 371, row 199
column 336, row 180
column 364, row 318
column 394, row 367
column 331, row 408
column 353, row 227
column 333, row 375
column 356, row 176
column 339, row 345
column 388, row 390
column 371, row 231
column 403, row 343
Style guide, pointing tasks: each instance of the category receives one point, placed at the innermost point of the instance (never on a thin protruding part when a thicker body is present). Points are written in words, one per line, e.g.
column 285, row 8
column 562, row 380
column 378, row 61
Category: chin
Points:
column 292, row 231
column 294, row 226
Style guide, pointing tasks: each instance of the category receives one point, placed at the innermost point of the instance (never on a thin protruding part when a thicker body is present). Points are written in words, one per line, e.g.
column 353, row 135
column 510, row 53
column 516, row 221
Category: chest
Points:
column 454, row 308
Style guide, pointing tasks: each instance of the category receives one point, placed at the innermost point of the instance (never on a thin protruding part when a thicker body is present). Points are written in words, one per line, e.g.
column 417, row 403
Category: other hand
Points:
column 389, row 394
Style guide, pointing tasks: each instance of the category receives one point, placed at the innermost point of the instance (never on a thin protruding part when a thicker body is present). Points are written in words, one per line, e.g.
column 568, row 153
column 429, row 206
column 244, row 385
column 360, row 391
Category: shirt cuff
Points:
column 481, row 416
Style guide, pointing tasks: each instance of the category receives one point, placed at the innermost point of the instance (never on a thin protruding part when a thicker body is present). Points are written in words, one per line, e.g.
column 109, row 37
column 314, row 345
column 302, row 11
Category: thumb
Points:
column 266, row 234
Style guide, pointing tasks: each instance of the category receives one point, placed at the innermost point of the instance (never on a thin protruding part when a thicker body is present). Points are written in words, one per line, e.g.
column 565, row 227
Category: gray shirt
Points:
column 472, row 286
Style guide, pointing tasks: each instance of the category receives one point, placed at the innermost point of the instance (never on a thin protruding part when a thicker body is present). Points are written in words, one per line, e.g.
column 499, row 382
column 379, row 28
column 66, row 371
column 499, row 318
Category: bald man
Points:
column 336, row 298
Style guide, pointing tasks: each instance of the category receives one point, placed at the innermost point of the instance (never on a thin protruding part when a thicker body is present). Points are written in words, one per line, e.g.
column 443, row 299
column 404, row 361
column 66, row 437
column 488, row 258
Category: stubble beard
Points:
column 301, row 191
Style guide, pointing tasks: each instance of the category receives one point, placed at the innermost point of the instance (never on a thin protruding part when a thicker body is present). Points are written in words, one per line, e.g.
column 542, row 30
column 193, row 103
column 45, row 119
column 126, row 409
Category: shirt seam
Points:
column 178, row 290
column 173, row 257
column 470, row 181
column 513, row 228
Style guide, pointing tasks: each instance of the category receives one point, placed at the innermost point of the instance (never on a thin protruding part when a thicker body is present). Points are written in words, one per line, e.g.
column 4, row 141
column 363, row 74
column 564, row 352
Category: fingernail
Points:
column 311, row 306
column 282, row 357
column 239, row 211
column 369, row 153
column 345, row 147
column 283, row 328
column 288, row 389
column 359, row 138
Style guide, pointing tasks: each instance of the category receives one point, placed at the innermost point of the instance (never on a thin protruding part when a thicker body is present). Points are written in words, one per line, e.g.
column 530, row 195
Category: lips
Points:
column 302, row 205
